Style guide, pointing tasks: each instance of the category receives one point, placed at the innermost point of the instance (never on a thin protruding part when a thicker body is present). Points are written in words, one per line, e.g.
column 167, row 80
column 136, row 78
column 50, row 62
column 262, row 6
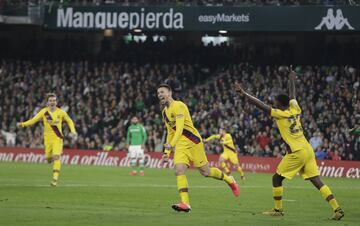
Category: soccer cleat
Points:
column 234, row 187
column 133, row 172
column 141, row 173
column 338, row 214
column 54, row 183
column 181, row 207
column 274, row 213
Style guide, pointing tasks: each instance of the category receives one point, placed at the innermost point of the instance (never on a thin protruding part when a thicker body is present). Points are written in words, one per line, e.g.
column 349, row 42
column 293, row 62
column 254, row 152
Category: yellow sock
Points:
column 326, row 194
column 217, row 174
column 183, row 188
column 225, row 168
column 56, row 169
column 239, row 169
column 277, row 194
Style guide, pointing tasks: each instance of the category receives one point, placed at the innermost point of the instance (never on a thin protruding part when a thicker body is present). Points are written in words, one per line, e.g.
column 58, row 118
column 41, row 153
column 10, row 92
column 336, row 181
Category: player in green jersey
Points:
column 135, row 140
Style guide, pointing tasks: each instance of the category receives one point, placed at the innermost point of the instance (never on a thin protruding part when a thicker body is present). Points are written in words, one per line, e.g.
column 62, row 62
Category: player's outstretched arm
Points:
column 212, row 137
column 71, row 125
column 258, row 103
column 31, row 121
column 292, row 91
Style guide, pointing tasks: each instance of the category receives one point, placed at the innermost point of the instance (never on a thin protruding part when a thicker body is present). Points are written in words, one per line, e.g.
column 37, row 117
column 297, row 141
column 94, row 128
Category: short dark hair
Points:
column 283, row 99
column 164, row 85
column 48, row 95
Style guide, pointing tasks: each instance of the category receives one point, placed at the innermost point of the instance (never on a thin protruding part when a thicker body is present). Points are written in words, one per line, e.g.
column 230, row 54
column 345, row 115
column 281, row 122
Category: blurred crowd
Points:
column 102, row 97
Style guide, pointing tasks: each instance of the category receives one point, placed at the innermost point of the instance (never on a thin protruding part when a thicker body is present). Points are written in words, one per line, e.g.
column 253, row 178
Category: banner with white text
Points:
column 201, row 18
column 348, row 169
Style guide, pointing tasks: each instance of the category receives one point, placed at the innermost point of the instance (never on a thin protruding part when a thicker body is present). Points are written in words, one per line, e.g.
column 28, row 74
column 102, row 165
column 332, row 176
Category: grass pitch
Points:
column 90, row 196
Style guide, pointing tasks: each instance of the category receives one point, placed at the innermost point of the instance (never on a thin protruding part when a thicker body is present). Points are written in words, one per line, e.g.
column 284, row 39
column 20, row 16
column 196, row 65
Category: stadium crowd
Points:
column 101, row 98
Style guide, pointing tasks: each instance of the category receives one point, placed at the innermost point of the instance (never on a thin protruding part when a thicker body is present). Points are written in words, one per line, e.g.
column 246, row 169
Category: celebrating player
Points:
column 229, row 152
column 300, row 157
column 135, row 140
column 184, row 139
column 52, row 118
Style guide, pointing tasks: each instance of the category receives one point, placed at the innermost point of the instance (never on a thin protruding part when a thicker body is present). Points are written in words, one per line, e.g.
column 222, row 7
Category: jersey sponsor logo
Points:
column 179, row 115
column 331, row 22
column 166, row 119
column 53, row 127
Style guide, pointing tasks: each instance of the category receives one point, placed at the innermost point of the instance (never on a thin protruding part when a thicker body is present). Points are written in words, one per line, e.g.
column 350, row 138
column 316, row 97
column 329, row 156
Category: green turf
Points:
column 109, row 196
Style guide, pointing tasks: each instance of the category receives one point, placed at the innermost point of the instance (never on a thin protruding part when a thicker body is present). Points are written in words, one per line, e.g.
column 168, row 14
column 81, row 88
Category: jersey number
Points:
column 293, row 125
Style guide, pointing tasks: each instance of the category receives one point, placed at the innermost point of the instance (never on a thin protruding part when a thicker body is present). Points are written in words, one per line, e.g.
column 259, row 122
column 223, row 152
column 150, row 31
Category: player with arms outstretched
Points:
column 300, row 157
column 52, row 118
column 229, row 152
column 184, row 139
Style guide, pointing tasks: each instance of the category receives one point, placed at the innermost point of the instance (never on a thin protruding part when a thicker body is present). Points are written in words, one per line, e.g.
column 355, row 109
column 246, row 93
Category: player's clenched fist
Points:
column 238, row 88
column 164, row 158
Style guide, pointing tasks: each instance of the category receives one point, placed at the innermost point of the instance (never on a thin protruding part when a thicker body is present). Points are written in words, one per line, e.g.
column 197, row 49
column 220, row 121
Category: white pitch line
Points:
column 41, row 184
column 118, row 186
column 289, row 200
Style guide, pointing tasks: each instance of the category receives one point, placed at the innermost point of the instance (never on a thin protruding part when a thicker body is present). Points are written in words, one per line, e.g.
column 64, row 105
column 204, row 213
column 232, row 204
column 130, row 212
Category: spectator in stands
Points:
column 334, row 155
column 263, row 140
column 10, row 136
column 320, row 153
column 316, row 140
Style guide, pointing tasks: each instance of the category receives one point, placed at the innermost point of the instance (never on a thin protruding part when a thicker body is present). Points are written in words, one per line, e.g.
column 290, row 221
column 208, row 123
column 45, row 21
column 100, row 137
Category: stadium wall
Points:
column 328, row 168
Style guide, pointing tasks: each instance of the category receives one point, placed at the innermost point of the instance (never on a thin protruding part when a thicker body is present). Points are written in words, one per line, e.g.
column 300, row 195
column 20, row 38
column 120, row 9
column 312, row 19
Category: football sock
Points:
column 225, row 168
column 182, row 185
column 133, row 164
column 141, row 164
column 56, row 169
column 328, row 196
column 239, row 169
column 277, row 194
column 217, row 174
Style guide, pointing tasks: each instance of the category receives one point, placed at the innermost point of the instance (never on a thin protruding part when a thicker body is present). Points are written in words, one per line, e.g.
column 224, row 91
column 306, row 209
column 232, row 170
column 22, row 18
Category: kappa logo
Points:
column 332, row 22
